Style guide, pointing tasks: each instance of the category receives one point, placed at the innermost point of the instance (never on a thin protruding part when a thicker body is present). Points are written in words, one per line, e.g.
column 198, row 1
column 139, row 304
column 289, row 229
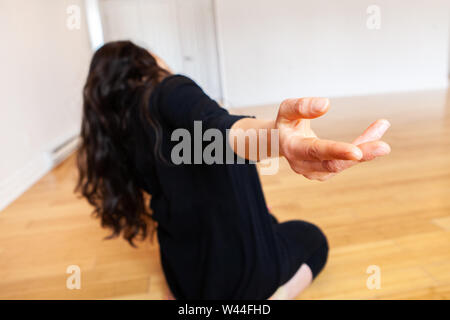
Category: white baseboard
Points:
column 17, row 183
column 20, row 181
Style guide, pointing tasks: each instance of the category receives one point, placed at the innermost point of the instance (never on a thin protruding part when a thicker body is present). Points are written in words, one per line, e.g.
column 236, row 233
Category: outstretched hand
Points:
column 319, row 159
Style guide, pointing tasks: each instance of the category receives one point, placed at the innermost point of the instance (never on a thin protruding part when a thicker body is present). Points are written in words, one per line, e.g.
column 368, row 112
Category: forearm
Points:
column 254, row 139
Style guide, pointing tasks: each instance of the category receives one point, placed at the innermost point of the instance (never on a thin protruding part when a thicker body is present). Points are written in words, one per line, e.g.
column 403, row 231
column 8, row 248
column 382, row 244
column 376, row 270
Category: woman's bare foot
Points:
column 169, row 295
column 299, row 282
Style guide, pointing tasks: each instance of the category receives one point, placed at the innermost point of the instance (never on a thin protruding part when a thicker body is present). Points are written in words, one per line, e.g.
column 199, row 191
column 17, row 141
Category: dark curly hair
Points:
column 121, row 77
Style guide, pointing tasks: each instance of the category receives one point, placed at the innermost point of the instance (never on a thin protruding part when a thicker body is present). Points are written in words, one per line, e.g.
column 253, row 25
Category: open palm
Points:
column 320, row 159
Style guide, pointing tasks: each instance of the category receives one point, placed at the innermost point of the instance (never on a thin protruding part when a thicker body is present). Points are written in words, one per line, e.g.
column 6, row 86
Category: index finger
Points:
column 304, row 108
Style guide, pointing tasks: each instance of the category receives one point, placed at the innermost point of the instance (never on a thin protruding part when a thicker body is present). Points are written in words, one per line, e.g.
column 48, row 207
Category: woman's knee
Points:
column 321, row 238
column 310, row 239
column 319, row 256
column 316, row 236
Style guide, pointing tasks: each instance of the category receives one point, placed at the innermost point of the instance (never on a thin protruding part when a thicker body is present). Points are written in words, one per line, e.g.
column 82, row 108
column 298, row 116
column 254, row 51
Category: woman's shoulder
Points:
column 176, row 79
column 178, row 89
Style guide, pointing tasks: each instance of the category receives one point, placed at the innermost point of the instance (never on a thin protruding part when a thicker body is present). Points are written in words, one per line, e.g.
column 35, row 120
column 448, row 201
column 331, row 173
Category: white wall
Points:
column 43, row 66
column 288, row 48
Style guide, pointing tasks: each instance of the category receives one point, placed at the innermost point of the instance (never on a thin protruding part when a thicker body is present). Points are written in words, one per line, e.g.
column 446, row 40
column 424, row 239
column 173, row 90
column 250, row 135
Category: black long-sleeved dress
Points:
column 217, row 238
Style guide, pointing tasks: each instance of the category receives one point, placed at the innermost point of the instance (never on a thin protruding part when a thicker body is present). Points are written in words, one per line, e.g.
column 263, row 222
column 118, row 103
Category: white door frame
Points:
column 220, row 56
column 94, row 22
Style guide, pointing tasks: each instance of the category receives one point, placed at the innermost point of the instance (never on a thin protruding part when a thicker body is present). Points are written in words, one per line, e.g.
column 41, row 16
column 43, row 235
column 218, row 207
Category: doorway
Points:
column 182, row 32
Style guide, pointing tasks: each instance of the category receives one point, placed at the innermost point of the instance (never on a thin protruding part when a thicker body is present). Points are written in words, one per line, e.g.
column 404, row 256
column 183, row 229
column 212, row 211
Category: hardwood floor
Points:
column 393, row 213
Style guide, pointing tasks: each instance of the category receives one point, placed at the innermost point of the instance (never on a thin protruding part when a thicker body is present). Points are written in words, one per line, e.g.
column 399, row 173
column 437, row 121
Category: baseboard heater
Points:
column 64, row 150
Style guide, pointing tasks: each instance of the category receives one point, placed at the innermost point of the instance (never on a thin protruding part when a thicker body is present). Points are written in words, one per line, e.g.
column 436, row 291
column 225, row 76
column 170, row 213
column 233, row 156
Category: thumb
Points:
column 303, row 108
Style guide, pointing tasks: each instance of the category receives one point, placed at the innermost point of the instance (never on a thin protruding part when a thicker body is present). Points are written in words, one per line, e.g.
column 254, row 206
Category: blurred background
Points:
column 244, row 53
column 382, row 58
